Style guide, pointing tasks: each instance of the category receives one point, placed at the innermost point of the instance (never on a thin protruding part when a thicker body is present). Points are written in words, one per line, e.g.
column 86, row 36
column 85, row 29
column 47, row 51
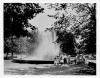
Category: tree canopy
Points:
column 79, row 20
column 16, row 17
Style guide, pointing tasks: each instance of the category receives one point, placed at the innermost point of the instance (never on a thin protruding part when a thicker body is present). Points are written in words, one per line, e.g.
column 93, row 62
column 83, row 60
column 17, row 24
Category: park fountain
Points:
column 47, row 48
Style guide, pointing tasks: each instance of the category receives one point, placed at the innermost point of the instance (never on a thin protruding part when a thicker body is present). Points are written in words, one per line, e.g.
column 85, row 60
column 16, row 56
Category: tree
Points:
column 80, row 20
column 91, row 41
column 67, row 42
column 16, row 17
column 10, row 45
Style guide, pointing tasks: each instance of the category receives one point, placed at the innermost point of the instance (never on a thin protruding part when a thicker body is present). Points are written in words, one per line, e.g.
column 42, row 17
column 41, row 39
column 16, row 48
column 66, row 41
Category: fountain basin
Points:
column 22, row 61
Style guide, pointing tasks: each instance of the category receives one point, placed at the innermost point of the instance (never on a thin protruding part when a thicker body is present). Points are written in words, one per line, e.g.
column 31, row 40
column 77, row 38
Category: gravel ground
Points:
column 44, row 69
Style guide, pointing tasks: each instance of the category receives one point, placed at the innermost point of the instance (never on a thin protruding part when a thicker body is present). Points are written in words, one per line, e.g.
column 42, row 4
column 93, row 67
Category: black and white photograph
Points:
column 49, row 38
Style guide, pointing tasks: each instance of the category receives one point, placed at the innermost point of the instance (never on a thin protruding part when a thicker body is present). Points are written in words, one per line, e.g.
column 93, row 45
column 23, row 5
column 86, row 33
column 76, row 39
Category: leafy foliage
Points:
column 80, row 20
column 16, row 17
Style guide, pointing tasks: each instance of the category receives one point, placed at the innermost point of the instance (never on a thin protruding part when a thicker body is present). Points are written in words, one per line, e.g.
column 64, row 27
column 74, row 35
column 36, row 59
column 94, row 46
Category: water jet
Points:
column 47, row 47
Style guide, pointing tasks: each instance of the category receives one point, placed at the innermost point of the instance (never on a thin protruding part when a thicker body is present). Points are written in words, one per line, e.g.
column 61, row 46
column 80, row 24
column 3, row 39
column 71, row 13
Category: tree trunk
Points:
column 12, row 54
column 7, row 54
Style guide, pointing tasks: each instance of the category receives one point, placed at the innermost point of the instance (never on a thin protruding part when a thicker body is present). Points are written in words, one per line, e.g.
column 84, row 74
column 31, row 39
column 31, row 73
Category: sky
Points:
column 42, row 21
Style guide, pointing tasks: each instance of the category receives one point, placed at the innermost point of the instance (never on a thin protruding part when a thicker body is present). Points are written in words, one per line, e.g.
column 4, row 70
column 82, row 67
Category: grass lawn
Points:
column 11, row 68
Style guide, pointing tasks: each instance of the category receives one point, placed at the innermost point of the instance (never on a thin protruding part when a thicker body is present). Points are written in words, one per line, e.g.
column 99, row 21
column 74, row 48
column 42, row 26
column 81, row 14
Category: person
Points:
column 61, row 59
column 77, row 59
column 65, row 58
column 56, row 61
column 82, row 60
column 68, row 59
